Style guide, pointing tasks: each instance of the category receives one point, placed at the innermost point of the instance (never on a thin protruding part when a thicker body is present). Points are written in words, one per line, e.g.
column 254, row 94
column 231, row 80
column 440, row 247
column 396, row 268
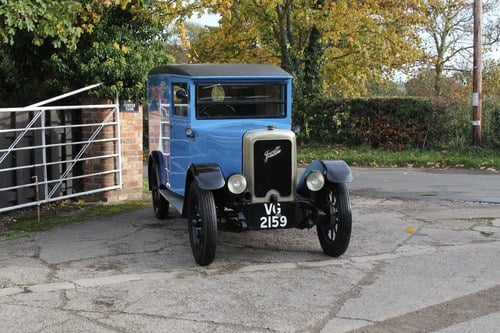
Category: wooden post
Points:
column 477, row 76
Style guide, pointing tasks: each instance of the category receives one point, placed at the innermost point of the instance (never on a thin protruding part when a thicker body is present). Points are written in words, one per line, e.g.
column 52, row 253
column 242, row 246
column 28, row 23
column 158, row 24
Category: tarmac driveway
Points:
column 412, row 265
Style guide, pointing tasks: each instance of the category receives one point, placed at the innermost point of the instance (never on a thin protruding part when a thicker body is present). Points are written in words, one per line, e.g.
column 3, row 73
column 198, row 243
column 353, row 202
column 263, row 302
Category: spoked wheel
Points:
column 202, row 224
column 160, row 204
column 335, row 232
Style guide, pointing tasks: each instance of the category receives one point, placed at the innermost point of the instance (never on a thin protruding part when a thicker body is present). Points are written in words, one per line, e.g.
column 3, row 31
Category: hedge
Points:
column 392, row 123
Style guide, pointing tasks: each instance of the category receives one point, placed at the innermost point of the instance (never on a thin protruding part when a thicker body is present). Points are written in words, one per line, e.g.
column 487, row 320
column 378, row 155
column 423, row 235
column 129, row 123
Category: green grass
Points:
column 22, row 224
column 470, row 158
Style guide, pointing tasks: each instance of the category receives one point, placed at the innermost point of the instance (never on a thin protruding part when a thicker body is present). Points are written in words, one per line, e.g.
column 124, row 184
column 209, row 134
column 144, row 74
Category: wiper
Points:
column 211, row 86
column 256, row 96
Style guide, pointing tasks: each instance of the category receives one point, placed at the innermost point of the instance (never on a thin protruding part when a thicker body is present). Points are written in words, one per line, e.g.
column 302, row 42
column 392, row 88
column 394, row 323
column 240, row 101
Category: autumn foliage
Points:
column 330, row 47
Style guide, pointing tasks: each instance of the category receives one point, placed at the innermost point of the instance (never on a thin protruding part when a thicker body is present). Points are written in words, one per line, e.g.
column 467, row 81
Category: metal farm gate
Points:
column 50, row 153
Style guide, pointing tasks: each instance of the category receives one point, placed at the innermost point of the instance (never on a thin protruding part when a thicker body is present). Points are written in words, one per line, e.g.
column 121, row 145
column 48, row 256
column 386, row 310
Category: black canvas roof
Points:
column 204, row 70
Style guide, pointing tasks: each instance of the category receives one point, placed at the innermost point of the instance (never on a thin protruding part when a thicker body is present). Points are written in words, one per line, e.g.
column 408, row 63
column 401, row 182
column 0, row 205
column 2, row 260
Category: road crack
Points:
column 370, row 277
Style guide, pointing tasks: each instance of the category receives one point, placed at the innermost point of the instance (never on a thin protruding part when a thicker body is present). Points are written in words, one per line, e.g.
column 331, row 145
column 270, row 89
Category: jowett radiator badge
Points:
column 271, row 153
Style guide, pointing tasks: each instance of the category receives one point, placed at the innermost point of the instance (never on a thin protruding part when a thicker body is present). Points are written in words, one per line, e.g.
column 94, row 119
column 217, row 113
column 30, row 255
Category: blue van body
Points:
column 215, row 139
column 221, row 145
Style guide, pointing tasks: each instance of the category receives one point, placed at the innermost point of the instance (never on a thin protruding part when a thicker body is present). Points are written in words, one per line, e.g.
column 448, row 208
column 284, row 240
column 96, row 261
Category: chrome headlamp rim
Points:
column 237, row 183
column 315, row 181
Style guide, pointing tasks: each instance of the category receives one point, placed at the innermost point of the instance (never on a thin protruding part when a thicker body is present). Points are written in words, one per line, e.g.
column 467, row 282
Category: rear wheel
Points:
column 335, row 232
column 160, row 204
column 202, row 224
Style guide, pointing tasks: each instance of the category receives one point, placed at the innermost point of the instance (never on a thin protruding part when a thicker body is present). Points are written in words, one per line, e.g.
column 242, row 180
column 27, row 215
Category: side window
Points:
column 181, row 99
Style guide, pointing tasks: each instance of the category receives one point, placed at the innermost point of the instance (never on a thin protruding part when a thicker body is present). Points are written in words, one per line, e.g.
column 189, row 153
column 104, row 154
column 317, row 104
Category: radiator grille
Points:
column 273, row 167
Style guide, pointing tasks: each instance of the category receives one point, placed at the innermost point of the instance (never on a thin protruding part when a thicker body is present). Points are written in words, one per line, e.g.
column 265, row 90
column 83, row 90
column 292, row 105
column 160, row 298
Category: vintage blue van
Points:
column 223, row 153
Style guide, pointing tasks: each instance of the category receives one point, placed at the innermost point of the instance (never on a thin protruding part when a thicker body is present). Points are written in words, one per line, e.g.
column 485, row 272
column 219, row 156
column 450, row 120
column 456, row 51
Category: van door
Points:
column 179, row 141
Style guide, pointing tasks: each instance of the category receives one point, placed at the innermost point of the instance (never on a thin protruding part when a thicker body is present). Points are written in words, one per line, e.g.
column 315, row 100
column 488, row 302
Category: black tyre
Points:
column 202, row 224
column 335, row 232
column 160, row 204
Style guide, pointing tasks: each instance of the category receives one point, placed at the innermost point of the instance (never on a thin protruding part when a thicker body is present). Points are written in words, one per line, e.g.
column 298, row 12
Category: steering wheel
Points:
column 213, row 110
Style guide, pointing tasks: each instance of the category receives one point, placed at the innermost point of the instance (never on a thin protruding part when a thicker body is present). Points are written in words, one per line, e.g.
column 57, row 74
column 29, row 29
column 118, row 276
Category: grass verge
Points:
column 22, row 224
column 469, row 158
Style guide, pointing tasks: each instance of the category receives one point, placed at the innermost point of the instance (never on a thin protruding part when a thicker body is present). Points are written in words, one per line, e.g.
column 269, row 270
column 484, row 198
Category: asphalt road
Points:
column 427, row 184
column 423, row 258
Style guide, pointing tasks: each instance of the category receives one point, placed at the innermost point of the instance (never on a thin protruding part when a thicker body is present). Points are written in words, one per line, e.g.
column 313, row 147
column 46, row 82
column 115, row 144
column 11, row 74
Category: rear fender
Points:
column 156, row 160
column 334, row 171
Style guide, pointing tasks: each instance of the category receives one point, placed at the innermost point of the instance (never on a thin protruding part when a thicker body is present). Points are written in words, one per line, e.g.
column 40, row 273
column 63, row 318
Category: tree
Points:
column 422, row 85
column 29, row 32
column 491, row 102
column 448, row 36
column 48, row 46
column 58, row 22
column 124, row 45
column 180, row 45
column 330, row 47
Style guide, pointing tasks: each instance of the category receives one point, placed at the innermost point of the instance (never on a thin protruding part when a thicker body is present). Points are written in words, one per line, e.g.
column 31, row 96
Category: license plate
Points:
column 270, row 215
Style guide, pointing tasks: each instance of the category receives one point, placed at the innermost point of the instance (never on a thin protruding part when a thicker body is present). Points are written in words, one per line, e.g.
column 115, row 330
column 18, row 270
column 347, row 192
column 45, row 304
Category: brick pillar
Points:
column 131, row 126
column 131, row 155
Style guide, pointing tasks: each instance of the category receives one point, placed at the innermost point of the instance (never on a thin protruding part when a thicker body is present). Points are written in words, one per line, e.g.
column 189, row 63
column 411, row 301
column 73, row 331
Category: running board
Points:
column 174, row 199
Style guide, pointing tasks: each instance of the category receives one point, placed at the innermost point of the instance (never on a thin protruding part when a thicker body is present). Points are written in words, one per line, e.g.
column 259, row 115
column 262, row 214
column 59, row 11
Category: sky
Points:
column 206, row 19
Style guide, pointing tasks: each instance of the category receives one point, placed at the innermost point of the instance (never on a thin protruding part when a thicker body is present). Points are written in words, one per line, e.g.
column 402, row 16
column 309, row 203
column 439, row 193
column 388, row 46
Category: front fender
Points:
column 208, row 176
column 334, row 171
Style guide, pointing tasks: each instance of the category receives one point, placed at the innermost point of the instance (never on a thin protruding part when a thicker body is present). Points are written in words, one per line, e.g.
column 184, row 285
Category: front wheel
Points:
column 202, row 224
column 335, row 232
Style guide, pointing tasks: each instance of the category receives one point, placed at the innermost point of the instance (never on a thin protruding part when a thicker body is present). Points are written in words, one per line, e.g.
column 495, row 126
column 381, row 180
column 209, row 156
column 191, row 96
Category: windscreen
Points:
column 240, row 100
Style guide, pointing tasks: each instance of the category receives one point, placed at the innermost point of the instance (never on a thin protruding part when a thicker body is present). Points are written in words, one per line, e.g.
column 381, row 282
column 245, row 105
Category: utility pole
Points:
column 477, row 76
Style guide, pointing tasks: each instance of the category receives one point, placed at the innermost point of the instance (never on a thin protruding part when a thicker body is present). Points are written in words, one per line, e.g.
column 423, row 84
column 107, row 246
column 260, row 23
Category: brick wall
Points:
column 131, row 127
